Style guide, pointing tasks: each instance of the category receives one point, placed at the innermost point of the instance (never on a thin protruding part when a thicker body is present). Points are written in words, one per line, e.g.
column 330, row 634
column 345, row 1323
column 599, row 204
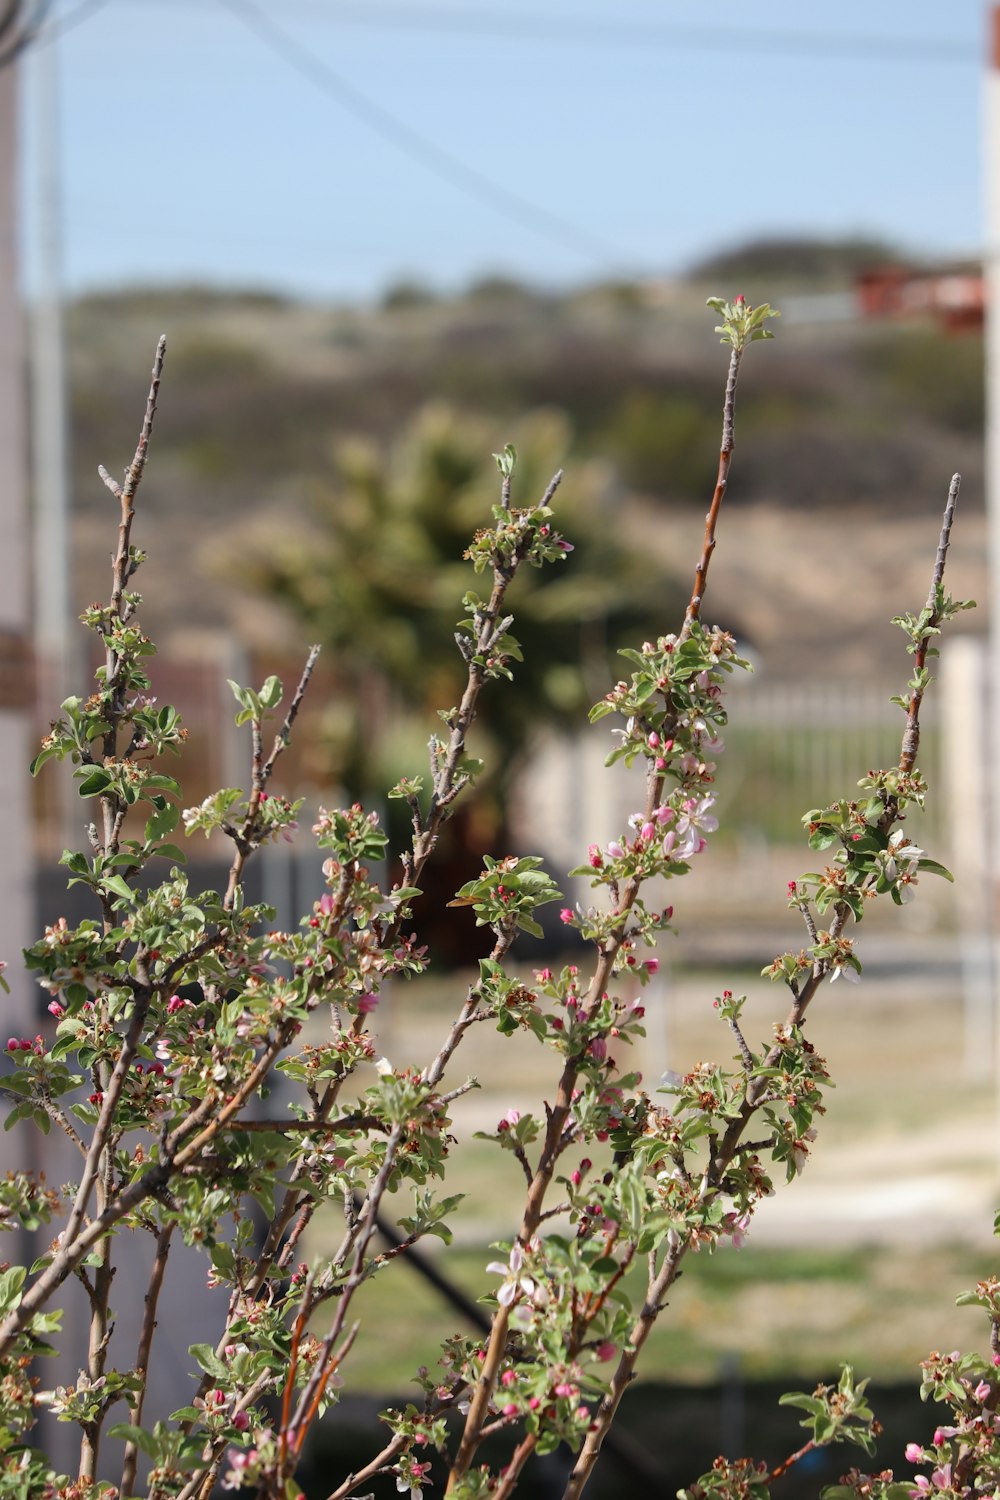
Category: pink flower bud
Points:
column 566, row 915
column 510, row 1410
column 982, row 1390
column 595, row 857
column 534, row 1402
column 653, row 741
column 241, row 1421
column 12, row 1044
column 508, row 1378
column 652, row 965
column 55, row 1009
column 606, row 1350
column 914, row 1453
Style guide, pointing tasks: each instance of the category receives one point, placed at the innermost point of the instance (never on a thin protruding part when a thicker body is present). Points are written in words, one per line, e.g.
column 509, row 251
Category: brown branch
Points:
column 261, row 770
column 121, row 571
column 131, row 1459
column 721, row 484
column 791, row 1460
column 911, row 735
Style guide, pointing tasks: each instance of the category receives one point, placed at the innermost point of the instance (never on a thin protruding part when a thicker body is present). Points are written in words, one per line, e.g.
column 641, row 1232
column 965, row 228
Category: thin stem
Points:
column 151, row 1300
column 721, row 485
column 261, row 771
column 911, row 735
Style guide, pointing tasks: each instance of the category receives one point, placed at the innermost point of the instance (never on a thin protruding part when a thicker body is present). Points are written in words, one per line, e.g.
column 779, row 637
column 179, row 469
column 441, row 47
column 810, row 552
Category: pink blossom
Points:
column 982, row 1390
column 595, row 857
column 55, row 1009
column 599, row 1048
column 566, row 915
column 615, row 849
column 508, row 1378
column 914, row 1453
column 653, row 741
column 652, row 965
column 241, row 1421
column 175, row 1003
column 606, row 1350
column 367, row 1003
column 565, row 1389
column 12, row 1044
column 648, row 832
column 510, row 1410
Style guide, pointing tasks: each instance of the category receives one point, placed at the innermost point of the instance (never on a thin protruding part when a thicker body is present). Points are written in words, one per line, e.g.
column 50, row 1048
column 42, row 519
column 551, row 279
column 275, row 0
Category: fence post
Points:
column 966, row 778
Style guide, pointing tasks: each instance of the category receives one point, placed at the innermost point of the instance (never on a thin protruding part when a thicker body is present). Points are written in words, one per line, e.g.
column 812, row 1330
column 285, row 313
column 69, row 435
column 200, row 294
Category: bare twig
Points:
column 151, row 1300
column 911, row 735
column 721, row 485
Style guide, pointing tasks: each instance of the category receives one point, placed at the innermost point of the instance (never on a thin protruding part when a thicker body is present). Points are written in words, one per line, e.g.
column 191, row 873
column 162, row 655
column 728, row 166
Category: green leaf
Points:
column 11, row 1282
column 208, row 1361
column 137, row 1435
column 119, row 886
column 96, row 781
column 49, row 752
column 169, row 851
column 163, row 820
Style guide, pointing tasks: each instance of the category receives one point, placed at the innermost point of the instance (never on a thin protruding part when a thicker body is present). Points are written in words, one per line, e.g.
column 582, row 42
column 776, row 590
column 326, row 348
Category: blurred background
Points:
column 385, row 238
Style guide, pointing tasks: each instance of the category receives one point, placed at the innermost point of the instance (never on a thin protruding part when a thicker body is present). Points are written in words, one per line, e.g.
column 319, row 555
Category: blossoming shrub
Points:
column 176, row 1008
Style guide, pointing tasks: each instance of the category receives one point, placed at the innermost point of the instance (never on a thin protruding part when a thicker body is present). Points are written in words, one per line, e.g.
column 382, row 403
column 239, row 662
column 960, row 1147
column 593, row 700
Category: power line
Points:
column 20, row 24
column 634, row 32
column 434, row 158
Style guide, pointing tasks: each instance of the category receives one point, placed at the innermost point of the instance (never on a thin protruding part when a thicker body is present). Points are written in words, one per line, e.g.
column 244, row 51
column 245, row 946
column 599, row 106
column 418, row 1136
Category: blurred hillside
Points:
column 847, row 434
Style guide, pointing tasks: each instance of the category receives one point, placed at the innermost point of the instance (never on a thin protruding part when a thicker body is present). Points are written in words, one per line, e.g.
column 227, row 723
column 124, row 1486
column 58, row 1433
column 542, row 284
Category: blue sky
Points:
column 288, row 143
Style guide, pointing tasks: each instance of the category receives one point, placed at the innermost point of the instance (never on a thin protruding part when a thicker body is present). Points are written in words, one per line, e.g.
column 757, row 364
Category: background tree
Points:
column 375, row 570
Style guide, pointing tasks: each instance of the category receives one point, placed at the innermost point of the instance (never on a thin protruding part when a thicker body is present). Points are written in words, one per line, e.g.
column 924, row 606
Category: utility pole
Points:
column 49, row 462
column 16, row 671
column 991, row 280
